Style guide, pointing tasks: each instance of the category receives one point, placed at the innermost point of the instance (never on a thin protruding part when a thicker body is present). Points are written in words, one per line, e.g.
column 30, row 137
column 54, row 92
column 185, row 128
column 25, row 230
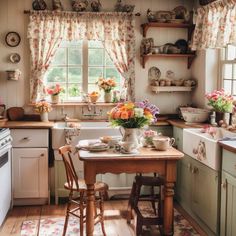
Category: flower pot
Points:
column 222, row 116
column 55, row 99
column 107, row 97
column 44, row 116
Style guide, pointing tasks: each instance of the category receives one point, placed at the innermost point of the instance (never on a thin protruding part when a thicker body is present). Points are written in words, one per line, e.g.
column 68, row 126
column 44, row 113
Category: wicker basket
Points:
column 205, row 2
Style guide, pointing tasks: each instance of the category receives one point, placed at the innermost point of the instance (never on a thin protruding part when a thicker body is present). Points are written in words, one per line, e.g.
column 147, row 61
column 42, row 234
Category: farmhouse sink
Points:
column 88, row 130
column 204, row 146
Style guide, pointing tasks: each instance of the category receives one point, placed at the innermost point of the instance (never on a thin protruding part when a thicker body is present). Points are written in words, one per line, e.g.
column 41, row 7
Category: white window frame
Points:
column 224, row 61
column 85, row 69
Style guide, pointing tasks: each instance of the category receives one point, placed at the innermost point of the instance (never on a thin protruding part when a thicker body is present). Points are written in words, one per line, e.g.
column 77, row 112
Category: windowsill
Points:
column 71, row 104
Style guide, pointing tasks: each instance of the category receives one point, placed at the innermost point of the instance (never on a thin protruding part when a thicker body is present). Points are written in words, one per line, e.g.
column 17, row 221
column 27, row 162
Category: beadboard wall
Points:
column 16, row 93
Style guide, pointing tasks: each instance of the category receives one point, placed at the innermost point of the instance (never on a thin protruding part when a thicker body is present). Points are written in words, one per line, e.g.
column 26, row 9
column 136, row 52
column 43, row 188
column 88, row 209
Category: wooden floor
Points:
column 115, row 218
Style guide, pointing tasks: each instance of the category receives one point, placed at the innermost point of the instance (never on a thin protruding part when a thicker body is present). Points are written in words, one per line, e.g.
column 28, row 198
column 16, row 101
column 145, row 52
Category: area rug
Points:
column 54, row 227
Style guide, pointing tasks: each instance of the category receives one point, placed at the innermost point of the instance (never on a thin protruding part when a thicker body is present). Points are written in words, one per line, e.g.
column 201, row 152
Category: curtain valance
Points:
column 215, row 25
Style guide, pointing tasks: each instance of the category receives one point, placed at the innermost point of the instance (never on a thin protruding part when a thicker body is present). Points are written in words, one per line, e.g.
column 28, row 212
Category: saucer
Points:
column 125, row 152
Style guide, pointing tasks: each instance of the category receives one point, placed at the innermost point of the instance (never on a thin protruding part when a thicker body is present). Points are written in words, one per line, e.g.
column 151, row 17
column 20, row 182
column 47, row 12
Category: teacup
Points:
column 162, row 143
column 128, row 147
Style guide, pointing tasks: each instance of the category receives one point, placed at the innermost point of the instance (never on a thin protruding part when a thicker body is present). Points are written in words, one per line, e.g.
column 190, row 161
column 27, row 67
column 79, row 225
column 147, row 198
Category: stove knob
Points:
column 2, row 143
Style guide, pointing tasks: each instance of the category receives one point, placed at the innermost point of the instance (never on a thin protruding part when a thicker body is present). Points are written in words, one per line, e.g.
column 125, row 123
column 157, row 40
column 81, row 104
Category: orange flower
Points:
column 117, row 115
column 124, row 115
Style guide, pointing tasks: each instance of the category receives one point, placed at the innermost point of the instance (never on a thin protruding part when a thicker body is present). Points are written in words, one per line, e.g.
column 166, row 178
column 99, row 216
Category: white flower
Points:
column 138, row 112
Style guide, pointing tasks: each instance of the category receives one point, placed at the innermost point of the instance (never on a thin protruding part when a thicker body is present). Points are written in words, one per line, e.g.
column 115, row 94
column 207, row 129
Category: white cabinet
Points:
column 30, row 166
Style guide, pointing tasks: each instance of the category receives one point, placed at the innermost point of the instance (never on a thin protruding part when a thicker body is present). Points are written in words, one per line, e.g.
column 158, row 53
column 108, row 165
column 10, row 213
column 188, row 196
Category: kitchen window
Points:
column 228, row 69
column 77, row 65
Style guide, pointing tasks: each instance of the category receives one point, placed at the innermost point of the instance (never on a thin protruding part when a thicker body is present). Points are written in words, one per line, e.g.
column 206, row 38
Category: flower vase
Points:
column 107, row 97
column 219, row 116
column 44, row 116
column 55, row 98
column 131, row 135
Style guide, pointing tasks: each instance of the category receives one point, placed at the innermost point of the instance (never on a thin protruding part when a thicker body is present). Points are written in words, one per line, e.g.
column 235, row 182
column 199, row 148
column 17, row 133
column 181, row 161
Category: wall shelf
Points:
column 148, row 25
column 190, row 57
column 158, row 89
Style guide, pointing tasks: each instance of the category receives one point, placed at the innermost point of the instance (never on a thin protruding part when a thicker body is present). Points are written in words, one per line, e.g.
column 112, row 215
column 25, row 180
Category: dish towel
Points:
column 70, row 133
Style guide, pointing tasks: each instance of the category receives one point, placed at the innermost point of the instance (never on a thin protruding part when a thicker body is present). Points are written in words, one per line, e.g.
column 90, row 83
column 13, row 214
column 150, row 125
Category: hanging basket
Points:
column 205, row 2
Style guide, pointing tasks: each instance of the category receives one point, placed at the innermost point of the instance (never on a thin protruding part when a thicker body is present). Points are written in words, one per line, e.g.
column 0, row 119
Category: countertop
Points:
column 228, row 145
column 182, row 124
column 27, row 124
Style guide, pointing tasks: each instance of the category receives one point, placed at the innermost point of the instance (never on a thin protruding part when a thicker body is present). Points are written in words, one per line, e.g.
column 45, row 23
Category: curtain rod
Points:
column 28, row 11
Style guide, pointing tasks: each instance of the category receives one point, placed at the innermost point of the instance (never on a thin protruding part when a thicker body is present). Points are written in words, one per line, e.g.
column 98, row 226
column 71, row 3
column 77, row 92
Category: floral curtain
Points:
column 47, row 29
column 215, row 25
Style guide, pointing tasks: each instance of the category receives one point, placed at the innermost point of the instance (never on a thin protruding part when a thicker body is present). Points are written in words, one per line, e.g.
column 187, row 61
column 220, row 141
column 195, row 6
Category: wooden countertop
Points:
column 182, row 124
column 228, row 145
column 27, row 124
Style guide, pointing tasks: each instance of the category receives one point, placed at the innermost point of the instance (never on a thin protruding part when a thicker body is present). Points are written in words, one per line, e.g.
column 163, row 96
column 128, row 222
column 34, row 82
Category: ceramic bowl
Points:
column 194, row 115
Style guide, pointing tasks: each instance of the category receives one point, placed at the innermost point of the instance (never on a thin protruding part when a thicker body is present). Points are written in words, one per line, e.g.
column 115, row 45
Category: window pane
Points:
column 231, row 52
column 60, row 57
column 95, row 57
column 75, row 56
column 227, row 86
column 95, row 44
column 94, row 73
column 74, row 90
column 112, row 72
column 234, row 88
column 108, row 61
column 227, row 71
column 92, row 87
column 75, row 74
column 56, row 74
column 72, row 43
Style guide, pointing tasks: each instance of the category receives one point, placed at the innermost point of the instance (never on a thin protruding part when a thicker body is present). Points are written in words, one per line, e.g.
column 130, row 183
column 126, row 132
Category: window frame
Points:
column 84, row 69
column 225, row 61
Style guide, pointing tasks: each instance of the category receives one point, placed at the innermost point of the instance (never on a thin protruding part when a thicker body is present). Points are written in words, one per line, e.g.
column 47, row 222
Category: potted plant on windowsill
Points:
column 54, row 91
column 107, row 85
column 222, row 104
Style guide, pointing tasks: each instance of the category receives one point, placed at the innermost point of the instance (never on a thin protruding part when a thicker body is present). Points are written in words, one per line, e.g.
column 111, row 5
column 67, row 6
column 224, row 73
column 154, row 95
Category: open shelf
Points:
column 148, row 25
column 190, row 57
column 158, row 89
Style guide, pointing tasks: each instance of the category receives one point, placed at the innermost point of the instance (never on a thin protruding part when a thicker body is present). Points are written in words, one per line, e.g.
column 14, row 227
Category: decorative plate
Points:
column 14, row 57
column 12, row 39
column 170, row 74
column 154, row 74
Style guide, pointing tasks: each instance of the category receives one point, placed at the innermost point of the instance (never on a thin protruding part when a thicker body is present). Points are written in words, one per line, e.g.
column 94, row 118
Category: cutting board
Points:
column 15, row 113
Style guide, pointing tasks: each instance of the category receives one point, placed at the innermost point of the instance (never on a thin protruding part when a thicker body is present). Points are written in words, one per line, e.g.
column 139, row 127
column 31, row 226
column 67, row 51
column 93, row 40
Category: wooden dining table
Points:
column 147, row 160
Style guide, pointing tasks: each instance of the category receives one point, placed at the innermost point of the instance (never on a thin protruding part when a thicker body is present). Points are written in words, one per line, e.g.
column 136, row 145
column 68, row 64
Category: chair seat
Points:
column 99, row 186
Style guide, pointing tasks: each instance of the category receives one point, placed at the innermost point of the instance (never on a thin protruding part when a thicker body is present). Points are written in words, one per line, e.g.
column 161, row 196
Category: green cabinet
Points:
column 228, row 195
column 197, row 189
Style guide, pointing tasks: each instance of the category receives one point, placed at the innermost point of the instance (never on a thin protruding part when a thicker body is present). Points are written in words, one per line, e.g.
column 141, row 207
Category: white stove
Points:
column 5, row 173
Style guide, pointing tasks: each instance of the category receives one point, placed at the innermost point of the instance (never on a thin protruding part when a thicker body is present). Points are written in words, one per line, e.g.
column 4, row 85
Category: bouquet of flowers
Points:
column 42, row 106
column 220, row 101
column 106, row 84
column 133, row 115
column 54, row 90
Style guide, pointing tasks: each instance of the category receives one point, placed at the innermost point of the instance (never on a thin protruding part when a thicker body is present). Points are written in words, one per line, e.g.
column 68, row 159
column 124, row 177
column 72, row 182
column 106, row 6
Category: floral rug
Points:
column 54, row 227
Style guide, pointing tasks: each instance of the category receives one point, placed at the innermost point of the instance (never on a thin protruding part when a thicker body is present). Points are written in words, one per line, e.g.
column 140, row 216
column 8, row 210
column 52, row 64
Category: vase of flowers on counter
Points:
column 54, row 91
column 131, row 117
column 222, row 104
column 106, row 85
column 43, row 107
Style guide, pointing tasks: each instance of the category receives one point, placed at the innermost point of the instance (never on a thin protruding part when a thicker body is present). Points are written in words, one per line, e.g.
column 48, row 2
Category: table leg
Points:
column 90, row 210
column 168, row 209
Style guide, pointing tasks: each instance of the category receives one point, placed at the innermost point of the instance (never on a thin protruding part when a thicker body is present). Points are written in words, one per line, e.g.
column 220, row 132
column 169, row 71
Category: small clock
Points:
column 12, row 39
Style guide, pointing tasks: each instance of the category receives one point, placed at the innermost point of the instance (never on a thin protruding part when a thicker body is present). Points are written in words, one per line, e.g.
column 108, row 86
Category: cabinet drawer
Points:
column 229, row 162
column 29, row 137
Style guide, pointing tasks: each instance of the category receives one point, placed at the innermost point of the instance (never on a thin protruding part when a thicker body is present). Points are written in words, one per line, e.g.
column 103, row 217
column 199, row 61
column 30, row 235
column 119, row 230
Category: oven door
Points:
column 5, row 181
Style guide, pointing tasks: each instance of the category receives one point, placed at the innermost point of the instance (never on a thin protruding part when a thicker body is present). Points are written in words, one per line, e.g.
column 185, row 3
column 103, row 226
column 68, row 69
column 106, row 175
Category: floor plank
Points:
column 115, row 218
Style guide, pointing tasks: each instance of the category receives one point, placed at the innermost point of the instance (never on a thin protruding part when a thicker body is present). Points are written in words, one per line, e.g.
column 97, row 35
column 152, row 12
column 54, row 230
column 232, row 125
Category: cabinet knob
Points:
column 42, row 155
column 26, row 138
column 194, row 170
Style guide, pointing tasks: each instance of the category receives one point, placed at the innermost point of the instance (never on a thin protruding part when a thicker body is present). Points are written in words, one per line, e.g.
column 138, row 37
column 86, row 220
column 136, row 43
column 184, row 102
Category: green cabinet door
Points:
column 183, row 185
column 178, row 135
column 228, row 205
column 205, row 182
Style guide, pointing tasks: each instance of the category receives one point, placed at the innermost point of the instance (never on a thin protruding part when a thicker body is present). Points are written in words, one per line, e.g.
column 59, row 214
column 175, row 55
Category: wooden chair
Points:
column 151, row 214
column 76, row 205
